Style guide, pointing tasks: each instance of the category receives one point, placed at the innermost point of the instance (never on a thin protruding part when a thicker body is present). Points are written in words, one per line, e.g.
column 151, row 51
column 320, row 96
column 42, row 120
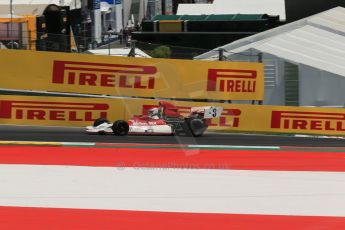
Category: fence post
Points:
column 221, row 54
column 109, row 43
column 29, row 40
column 132, row 51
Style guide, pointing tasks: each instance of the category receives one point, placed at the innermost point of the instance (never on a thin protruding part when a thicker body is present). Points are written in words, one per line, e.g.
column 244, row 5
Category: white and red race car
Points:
column 162, row 120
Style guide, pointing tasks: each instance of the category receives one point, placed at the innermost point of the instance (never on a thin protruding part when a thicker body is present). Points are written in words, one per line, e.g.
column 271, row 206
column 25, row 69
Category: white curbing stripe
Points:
column 174, row 190
column 323, row 137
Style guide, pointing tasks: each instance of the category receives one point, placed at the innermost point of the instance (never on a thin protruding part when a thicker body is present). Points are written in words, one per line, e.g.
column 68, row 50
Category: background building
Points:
column 61, row 25
column 199, row 28
column 49, row 26
column 304, row 60
column 271, row 7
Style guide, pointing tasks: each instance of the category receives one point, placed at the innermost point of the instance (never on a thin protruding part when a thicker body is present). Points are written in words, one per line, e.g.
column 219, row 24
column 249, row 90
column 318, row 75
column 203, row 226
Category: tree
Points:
column 161, row 52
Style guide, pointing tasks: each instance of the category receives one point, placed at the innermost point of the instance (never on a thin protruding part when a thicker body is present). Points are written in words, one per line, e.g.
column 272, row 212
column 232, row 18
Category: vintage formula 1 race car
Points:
column 162, row 120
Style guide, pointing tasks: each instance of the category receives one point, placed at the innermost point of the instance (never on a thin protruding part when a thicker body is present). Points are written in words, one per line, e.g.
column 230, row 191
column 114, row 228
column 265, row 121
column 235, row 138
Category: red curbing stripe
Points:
column 18, row 218
column 175, row 158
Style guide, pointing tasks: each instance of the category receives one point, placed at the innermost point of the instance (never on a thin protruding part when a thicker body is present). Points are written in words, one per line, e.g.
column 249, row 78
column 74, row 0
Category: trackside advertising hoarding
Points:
column 123, row 76
column 63, row 111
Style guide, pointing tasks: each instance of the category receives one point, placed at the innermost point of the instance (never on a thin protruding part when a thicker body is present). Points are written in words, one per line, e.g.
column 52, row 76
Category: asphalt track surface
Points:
column 66, row 134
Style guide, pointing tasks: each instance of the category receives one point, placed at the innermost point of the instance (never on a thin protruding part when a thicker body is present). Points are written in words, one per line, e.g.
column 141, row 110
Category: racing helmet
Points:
column 153, row 112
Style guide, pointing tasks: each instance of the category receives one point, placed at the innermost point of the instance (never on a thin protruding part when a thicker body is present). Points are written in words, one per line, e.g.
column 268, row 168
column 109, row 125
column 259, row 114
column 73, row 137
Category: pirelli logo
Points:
column 232, row 80
column 52, row 111
column 104, row 75
column 308, row 121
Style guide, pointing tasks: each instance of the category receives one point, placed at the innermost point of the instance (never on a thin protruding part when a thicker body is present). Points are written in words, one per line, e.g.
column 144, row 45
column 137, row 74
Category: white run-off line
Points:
column 174, row 190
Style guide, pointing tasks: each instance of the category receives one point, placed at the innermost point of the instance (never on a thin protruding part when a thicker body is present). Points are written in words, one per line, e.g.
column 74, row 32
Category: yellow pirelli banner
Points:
column 64, row 111
column 123, row 76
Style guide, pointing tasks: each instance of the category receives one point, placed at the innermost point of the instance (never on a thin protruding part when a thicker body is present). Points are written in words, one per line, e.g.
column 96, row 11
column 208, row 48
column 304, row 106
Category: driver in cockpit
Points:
column 154, row 113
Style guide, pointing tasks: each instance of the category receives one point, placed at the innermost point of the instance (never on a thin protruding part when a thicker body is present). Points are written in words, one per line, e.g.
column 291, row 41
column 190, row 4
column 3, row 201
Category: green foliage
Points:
column 161, row 52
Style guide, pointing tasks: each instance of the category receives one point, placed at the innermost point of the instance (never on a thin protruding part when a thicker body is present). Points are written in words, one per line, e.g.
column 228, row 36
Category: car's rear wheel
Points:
column 194, row 127
column 100, row 121
column 120, row 128
column 197, row 127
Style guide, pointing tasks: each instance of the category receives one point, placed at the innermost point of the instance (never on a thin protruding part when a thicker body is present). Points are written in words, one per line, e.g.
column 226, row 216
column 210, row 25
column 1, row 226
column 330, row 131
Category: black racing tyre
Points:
column 194, row 127
column 197, row 127
column 120, row 128
column 100, row 121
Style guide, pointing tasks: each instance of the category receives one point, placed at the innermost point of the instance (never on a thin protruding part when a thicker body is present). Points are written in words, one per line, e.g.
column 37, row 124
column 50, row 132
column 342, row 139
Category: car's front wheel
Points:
column 120, row 128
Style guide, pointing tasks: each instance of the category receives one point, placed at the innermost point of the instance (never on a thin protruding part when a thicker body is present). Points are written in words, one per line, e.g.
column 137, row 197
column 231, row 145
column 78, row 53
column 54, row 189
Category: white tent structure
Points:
column 304, row 60
column 270, row 7
column 131, row 7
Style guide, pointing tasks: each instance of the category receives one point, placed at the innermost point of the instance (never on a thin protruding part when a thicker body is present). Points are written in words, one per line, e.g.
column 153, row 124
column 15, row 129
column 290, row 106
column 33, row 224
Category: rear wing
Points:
column 207, row 112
